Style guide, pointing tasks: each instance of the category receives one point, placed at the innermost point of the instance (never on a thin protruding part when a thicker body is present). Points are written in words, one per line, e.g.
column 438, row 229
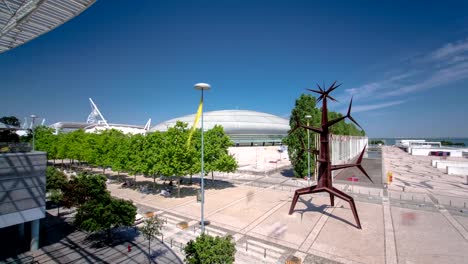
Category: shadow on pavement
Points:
column 319, row 209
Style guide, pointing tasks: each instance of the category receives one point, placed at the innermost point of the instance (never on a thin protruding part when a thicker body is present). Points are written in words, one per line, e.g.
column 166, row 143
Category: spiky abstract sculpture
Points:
column 324, row 183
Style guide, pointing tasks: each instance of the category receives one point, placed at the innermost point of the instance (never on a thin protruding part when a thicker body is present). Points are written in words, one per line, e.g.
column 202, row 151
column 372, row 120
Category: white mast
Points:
column 148, row 124
column 95, row 116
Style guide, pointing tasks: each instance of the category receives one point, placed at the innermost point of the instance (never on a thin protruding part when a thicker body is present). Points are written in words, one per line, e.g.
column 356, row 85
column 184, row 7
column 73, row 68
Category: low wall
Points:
column 444, row 165
column 426, row 151
column 457, row 170
column 434, row 162
column 346, row 148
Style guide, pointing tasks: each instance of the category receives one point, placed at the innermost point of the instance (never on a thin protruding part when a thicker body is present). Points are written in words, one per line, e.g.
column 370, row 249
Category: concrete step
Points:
column 260, row 252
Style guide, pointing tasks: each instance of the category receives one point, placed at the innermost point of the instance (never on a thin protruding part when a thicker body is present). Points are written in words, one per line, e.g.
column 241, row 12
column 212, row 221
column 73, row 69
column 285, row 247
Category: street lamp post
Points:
column 202, row 87
column 33, row 117
column 308, row 117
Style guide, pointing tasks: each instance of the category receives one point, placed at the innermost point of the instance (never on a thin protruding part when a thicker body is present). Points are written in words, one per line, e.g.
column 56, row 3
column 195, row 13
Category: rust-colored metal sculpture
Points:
column 324, row 183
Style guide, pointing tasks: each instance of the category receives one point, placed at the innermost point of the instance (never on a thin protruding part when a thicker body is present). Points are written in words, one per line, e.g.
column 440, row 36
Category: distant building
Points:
column 242, row 126
column 96, row 123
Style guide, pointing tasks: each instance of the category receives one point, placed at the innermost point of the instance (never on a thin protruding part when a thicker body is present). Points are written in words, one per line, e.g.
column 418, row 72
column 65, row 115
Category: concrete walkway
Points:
column 394, row 231
column 65, row 244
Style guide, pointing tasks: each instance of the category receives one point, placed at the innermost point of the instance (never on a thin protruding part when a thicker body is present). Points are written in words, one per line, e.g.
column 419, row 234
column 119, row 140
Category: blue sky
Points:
column 405, row 62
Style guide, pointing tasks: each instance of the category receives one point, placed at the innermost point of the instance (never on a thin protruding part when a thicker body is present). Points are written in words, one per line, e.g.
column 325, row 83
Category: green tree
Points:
column 136, row 146
column 77, row 147
column 151, row 228
column 194, row 148
column 216, row 151
column 177, row 160
column 305, row 105
column 376, row 142
column 121, row 152
column 10, row 120
column 152, row 154
column 226, row 163
column 104, row 214
column 106, row 147
column 46, row 141
column 55, row 179
column 64, row 146
column 207, row 249
column 56, row 197
column 84, row 188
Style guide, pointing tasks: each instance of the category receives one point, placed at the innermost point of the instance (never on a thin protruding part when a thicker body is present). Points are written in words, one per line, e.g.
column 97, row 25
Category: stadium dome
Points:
column 243, row 126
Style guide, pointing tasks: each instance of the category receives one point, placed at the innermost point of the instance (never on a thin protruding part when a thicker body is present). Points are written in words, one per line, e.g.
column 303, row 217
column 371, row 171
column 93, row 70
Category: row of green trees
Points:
column 157, row 153
column 306, row 105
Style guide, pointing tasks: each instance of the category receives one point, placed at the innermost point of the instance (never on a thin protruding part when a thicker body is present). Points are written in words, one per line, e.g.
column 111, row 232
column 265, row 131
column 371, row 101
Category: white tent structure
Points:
column 24, row 20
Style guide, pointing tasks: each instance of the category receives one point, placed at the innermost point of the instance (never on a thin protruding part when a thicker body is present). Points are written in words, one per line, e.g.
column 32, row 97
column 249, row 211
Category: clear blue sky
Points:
column 405, row 62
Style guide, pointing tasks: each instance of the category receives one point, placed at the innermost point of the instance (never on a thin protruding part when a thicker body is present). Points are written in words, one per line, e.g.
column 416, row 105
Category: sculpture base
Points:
column 333, row 192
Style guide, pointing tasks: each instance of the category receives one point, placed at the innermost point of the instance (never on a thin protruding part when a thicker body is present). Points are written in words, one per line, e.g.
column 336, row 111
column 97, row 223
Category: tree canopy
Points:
column 104, row 214
column 10, row 120
column 84, row 188
column 151, row 228
column 97, row 209
column 55, row 179
column 208, row 249
column 156, row 153
column 306, row 105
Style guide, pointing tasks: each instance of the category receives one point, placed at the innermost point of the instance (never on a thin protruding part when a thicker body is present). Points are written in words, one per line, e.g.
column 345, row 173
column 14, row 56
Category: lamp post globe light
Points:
column 33, row 117
column 202, row 87
column 308, row 117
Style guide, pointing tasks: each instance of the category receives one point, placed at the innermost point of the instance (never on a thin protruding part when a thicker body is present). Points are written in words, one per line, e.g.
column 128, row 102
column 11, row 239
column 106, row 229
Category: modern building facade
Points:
column 22, row 192
column 244, row 127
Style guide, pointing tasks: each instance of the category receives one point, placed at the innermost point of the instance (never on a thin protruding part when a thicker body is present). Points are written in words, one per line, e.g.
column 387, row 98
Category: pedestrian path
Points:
column 248, row 250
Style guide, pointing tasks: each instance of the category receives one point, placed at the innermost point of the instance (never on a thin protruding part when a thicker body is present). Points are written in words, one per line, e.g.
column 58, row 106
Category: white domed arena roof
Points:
column 235, row 122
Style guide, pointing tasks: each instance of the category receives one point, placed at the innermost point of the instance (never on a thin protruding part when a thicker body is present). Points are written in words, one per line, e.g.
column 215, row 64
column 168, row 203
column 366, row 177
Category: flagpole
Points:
column 202, row 87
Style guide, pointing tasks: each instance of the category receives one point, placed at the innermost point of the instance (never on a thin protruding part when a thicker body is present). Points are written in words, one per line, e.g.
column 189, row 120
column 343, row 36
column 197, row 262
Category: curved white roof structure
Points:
column 24, row 20
column 242, row 126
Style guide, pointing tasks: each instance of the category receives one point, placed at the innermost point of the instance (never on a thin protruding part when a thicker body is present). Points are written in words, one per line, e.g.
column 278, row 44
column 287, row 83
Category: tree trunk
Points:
column 149, row 249
column 58, row 210
column 154, row 181
column 190, row 182
column 104, row 170
column 109, row 234
column 212, row 178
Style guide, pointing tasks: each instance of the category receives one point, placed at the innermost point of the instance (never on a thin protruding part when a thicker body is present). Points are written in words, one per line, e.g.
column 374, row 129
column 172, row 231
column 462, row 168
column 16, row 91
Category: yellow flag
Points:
column 197, row 117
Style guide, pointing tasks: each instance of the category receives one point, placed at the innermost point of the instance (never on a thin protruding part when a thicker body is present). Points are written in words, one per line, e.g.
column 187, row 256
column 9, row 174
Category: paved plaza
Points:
column 413, row 228
column 420, row 218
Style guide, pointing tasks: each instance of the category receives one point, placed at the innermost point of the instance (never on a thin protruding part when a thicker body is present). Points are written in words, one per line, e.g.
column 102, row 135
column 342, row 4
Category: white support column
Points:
column 35, row 235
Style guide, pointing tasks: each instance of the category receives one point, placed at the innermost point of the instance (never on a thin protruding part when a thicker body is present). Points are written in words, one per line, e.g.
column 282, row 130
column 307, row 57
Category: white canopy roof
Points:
column 235, row 122
column 24, row 20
